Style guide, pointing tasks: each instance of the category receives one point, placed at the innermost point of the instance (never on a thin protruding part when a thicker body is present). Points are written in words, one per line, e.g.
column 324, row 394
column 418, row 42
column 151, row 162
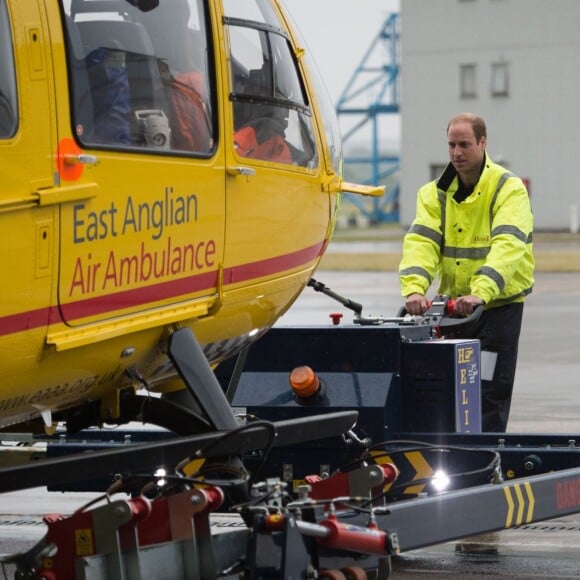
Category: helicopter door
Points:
column 147, row 248
column 276, row 215
column 26, row 169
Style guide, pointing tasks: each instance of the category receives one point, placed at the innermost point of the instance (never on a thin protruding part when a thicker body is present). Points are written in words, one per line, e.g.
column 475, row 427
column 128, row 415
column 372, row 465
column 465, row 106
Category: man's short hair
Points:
column 477, row 124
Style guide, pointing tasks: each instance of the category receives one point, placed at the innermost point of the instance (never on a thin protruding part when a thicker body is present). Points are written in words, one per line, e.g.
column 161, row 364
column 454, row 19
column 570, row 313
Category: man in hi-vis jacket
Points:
column 473, row 231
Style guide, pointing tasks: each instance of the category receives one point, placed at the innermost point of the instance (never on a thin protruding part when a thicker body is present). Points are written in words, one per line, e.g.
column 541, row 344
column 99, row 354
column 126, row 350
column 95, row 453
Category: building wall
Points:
column 534, row 130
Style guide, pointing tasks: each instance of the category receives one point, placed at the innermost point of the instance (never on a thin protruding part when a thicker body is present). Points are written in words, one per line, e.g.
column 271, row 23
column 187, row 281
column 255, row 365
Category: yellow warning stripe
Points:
column 521, row 505
column 192, row 467
column 510, row 512
column 532, row 501
column 514, row 518
column 381, row 459
column 422, row 468
column 417, row 461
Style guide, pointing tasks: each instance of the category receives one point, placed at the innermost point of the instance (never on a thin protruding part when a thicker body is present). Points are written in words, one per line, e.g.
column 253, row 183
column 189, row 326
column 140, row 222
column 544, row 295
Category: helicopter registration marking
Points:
column 60, row 391
column 49, row 394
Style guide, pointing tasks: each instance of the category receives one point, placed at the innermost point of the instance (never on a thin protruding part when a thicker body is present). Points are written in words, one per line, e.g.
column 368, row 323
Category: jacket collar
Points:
column 450, row 173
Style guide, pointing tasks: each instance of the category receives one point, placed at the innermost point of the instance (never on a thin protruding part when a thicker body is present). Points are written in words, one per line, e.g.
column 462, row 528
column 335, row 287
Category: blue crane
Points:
column 378, row 86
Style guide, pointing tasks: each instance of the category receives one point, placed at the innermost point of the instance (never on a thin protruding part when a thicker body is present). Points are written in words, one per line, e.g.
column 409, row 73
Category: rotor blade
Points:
column 148, row 457
column 200, row 380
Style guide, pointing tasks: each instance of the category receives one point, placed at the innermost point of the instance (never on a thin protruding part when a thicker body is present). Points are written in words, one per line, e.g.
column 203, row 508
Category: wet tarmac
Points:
column 546, row 400
column 545, row 551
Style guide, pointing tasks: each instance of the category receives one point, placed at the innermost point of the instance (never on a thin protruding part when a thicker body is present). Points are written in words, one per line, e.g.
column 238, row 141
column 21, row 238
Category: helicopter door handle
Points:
column 80, row 158
column 240, row 170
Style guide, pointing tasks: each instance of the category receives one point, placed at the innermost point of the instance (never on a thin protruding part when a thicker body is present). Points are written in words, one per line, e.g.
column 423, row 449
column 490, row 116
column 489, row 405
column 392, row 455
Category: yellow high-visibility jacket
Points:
column 481, row 246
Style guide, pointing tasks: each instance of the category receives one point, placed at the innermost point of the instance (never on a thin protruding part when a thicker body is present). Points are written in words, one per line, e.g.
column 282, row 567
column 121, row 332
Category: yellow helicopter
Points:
column 165, row 165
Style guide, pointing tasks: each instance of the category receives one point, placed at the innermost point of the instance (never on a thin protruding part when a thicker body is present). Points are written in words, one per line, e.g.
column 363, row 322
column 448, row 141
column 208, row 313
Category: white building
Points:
column 514, row 62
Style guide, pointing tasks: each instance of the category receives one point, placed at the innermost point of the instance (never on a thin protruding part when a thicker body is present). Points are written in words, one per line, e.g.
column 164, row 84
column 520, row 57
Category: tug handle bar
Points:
column 448, row 320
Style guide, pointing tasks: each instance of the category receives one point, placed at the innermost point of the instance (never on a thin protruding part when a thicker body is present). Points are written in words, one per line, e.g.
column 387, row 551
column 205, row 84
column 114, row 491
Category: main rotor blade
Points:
column 145, row 458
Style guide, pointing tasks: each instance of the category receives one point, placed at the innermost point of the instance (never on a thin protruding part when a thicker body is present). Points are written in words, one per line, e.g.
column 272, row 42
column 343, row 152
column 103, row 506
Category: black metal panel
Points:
column 433, row 399
column 376, row 397
column 371, row 349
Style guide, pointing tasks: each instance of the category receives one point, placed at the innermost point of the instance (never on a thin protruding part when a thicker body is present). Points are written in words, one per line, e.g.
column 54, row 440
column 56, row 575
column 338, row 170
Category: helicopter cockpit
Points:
column 272, row 116
column 145, row 79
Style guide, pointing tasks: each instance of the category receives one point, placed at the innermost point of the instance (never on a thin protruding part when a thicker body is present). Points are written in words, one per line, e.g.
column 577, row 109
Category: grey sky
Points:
column 338, row 33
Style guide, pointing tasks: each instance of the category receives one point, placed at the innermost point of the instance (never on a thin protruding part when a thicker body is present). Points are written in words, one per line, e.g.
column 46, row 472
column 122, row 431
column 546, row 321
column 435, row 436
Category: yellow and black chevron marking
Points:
column 412, row 466
column 520, row 496
column 192, row 467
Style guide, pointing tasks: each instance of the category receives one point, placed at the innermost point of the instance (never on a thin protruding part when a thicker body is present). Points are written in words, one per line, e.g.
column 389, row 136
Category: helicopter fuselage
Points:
column 126, row 215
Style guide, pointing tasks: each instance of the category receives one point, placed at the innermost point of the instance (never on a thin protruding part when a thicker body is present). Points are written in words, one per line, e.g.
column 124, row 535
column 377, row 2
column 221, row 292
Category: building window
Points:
column 499, row 79
column 467, row 81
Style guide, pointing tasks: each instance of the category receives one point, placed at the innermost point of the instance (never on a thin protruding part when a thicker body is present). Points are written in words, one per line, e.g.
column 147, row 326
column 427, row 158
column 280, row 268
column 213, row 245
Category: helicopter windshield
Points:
column 328, row 112
column 141, row 78
column 327, row 109
column 272, row 115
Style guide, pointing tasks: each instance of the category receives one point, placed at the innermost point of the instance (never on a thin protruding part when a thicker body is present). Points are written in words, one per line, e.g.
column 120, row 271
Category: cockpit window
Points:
column 8, row 102
column 255, row 10
column 327, row 109
column 272, row 115
column 141, row 78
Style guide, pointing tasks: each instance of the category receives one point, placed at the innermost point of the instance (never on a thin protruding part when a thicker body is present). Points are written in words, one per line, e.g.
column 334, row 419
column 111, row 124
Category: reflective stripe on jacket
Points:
column 481, row 246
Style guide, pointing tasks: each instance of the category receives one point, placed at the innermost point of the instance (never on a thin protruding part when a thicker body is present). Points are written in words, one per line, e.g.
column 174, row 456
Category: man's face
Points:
column 465, row 152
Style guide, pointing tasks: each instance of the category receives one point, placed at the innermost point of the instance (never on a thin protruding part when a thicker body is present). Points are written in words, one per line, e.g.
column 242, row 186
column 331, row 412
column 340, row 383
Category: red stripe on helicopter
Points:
column 261, row 268
column 110, row 303
column 137, row 297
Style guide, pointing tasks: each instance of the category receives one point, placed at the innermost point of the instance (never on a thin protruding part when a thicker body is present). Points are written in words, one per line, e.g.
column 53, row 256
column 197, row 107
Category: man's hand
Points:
column 465, row 305
column 416, row 304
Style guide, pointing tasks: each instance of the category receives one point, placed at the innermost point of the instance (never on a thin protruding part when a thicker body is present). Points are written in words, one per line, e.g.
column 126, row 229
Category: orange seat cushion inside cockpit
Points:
column 274, row 148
